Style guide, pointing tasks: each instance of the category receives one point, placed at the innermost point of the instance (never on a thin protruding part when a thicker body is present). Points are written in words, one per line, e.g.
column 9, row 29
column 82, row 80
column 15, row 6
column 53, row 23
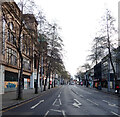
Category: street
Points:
column 69, row 100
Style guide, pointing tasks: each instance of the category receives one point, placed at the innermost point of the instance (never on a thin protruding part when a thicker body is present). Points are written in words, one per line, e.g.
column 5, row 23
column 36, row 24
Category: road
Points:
column 69, row 100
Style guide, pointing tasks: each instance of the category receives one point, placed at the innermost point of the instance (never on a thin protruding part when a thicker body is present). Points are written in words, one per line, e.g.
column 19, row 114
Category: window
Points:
column 23, row 48
column 11, row 26
column 11, row 37
column 8, row 36
column 3, row 41
column 26, row 50
column 11, row 57
column 26, row 64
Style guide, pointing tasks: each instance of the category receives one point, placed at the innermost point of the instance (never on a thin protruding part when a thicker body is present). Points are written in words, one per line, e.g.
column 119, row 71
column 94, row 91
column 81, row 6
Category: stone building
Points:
column 10, row 21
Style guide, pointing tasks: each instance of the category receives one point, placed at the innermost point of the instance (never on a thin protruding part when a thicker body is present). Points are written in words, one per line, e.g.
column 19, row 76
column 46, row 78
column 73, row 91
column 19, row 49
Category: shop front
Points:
column 96, row 83
column 11, row 81
column 26, row 81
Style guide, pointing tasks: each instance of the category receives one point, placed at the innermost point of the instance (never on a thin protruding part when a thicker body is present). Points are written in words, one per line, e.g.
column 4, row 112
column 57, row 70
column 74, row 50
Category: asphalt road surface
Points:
column 69, row 100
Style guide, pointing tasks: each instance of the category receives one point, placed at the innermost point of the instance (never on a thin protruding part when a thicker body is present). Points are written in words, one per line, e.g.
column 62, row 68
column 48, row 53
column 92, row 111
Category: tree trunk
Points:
column 49, row 81
column 36, row 84
column 46, row 81
column 45, row 85
column 110, row 55
column 113, row 68
column 54, row 82
column 20, row 93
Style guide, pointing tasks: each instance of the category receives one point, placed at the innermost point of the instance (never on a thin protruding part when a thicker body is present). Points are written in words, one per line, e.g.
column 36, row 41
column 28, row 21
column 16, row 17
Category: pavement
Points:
column 105, row 90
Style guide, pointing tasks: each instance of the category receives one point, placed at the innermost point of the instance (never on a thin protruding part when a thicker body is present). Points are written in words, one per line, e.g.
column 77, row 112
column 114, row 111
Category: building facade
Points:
column 10, row 21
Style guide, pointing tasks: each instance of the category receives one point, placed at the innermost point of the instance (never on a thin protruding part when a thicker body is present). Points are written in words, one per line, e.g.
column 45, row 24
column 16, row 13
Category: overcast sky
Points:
column 79, row 20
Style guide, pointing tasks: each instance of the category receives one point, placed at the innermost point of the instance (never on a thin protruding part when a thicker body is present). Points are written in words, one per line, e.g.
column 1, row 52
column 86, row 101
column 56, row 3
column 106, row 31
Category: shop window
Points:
column 10, row 76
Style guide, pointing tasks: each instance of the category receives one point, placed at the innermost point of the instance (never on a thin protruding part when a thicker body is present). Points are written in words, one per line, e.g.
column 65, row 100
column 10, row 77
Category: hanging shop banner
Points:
column 9, row 84
column 25, row 83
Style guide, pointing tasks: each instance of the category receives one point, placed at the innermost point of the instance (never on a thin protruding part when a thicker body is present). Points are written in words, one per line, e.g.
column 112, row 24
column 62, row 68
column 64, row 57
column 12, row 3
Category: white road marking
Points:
column 63, row 112
column 54, row 102
column 110, row 104
column 92, row 102
column 105, row 101
column 37, row 104
column 77, row 104
column 77, row 101
column 56, row 110
column 58, row 95
column 115, row 113
column 60, row 102
column 81, row 96
column 46, row 113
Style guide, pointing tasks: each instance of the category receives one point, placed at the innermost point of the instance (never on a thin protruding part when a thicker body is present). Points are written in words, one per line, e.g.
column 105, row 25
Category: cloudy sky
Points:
column 79, row 20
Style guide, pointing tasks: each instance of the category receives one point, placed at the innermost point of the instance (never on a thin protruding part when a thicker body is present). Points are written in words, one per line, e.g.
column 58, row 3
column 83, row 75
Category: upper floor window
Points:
column 11, row 57
column 11, row 26
column 26, row 64
column 3, row 40
column 8, row 36
column 10, row 33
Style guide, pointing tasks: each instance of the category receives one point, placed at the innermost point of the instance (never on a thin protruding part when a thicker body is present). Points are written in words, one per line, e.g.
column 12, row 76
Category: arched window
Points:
column 8, row 35
column 11, row 26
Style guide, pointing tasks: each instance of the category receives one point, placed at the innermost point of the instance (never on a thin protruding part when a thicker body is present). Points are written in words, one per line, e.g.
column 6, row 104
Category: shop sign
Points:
column 9, row 84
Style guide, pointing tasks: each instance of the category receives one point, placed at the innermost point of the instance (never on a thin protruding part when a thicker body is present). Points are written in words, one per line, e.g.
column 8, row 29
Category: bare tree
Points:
column 23, row 6
column 86, row 66
column 54, row 49
column 97, row 51
column 108, row 41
